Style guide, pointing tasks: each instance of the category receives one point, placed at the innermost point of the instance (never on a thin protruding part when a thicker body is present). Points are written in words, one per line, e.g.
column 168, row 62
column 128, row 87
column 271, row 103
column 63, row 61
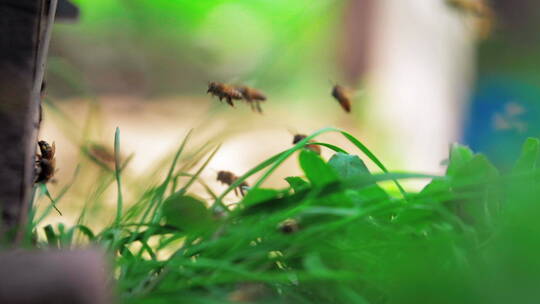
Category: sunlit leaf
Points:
column 318, row 172
column 186, row 213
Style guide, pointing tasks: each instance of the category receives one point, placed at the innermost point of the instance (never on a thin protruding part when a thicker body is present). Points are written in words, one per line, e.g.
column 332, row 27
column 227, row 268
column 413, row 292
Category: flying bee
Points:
column 298, row 137
column 45, row 162
column 475, row 7
column 224, row 91
column 102, row 155
column 228, row 178
column 480, row 9
column 343, row 96
column 252, row 96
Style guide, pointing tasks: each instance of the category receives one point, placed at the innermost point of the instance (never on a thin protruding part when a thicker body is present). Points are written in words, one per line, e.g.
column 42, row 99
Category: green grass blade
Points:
column 53, row 202
column 372, row 157
column 242, row 178
column 117, row 169
column 196, row 175
column 58, row 197
column 160, row 190
column 329, row 146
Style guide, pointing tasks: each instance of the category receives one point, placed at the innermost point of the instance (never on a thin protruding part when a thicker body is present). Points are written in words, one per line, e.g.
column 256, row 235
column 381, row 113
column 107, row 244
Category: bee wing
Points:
column 292, row 131
column 242, row 191
column 229, row 101
column 258, row 95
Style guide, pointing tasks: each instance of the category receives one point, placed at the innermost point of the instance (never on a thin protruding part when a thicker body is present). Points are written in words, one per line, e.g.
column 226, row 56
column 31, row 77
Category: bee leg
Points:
column 236, row 191
column 259, row 109
column 229, row 101
column 242, row 191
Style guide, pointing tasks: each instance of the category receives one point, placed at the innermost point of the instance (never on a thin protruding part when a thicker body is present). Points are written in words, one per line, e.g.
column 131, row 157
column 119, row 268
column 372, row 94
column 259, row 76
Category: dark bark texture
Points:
column 21, row 27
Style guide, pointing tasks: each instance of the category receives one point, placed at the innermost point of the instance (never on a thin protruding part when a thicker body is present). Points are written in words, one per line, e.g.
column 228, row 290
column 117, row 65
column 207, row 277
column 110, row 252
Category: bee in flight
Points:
column 101, row 155
column 45, row 162
column 343, row 96
column 298, row 137
column 475, row 7
column 228, row 178
column 480, row 9
column 224, row 91
column 252, row 96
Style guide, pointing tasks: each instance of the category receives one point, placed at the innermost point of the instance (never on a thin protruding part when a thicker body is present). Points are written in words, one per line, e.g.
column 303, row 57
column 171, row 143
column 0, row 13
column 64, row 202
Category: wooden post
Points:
column 25, row 27
column 27, row 277
column 55, row 277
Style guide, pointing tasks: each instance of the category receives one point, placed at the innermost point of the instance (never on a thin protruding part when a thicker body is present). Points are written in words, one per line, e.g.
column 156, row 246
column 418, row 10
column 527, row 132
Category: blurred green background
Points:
column 422, row 77
column 164, row 47
column 429, row 81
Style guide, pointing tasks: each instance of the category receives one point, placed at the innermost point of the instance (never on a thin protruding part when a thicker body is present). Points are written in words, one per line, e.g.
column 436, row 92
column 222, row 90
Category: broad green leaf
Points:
column 436, row 187
column 459, row 157
column 186, row 213
column 369, row 194
column 529, row 158
column 524, row 186
column 317, row 171
column 476, row 179
column 338, row 199
column 268, row 202
column 371, row 156
column 297, row 183
column 477, row 169
column 259, row 195
column 415, row 216
column 349, row 167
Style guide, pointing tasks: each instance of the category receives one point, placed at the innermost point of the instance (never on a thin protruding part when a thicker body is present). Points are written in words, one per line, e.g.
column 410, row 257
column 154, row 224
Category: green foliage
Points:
column 173, row 46
column 530, row 156
column 186, row 213
column 297, row 183
column 335, row 236
column 317, row 171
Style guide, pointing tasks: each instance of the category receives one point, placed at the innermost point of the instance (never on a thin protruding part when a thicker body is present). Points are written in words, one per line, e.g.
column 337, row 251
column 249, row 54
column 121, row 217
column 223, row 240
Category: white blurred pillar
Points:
column 421, row 69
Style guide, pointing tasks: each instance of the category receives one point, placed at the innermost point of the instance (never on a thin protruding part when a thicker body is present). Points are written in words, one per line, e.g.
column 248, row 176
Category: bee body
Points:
column 252, row 96
column 224, row 91
column 314, row 148
column 228, row 178
column 45, row 162
column 343, row 96
column 474, row 7
column 481, row 10
column 231, row 92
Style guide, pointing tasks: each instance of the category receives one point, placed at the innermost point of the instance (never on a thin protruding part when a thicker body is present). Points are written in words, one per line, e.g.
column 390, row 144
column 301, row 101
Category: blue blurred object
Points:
column 503, row 113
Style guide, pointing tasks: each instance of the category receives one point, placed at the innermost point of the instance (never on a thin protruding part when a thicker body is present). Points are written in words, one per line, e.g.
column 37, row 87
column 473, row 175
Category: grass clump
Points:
column 333, row 236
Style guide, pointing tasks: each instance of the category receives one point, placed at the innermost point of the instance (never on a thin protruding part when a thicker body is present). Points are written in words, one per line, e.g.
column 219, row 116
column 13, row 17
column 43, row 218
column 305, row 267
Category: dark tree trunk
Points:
column 23, row 43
